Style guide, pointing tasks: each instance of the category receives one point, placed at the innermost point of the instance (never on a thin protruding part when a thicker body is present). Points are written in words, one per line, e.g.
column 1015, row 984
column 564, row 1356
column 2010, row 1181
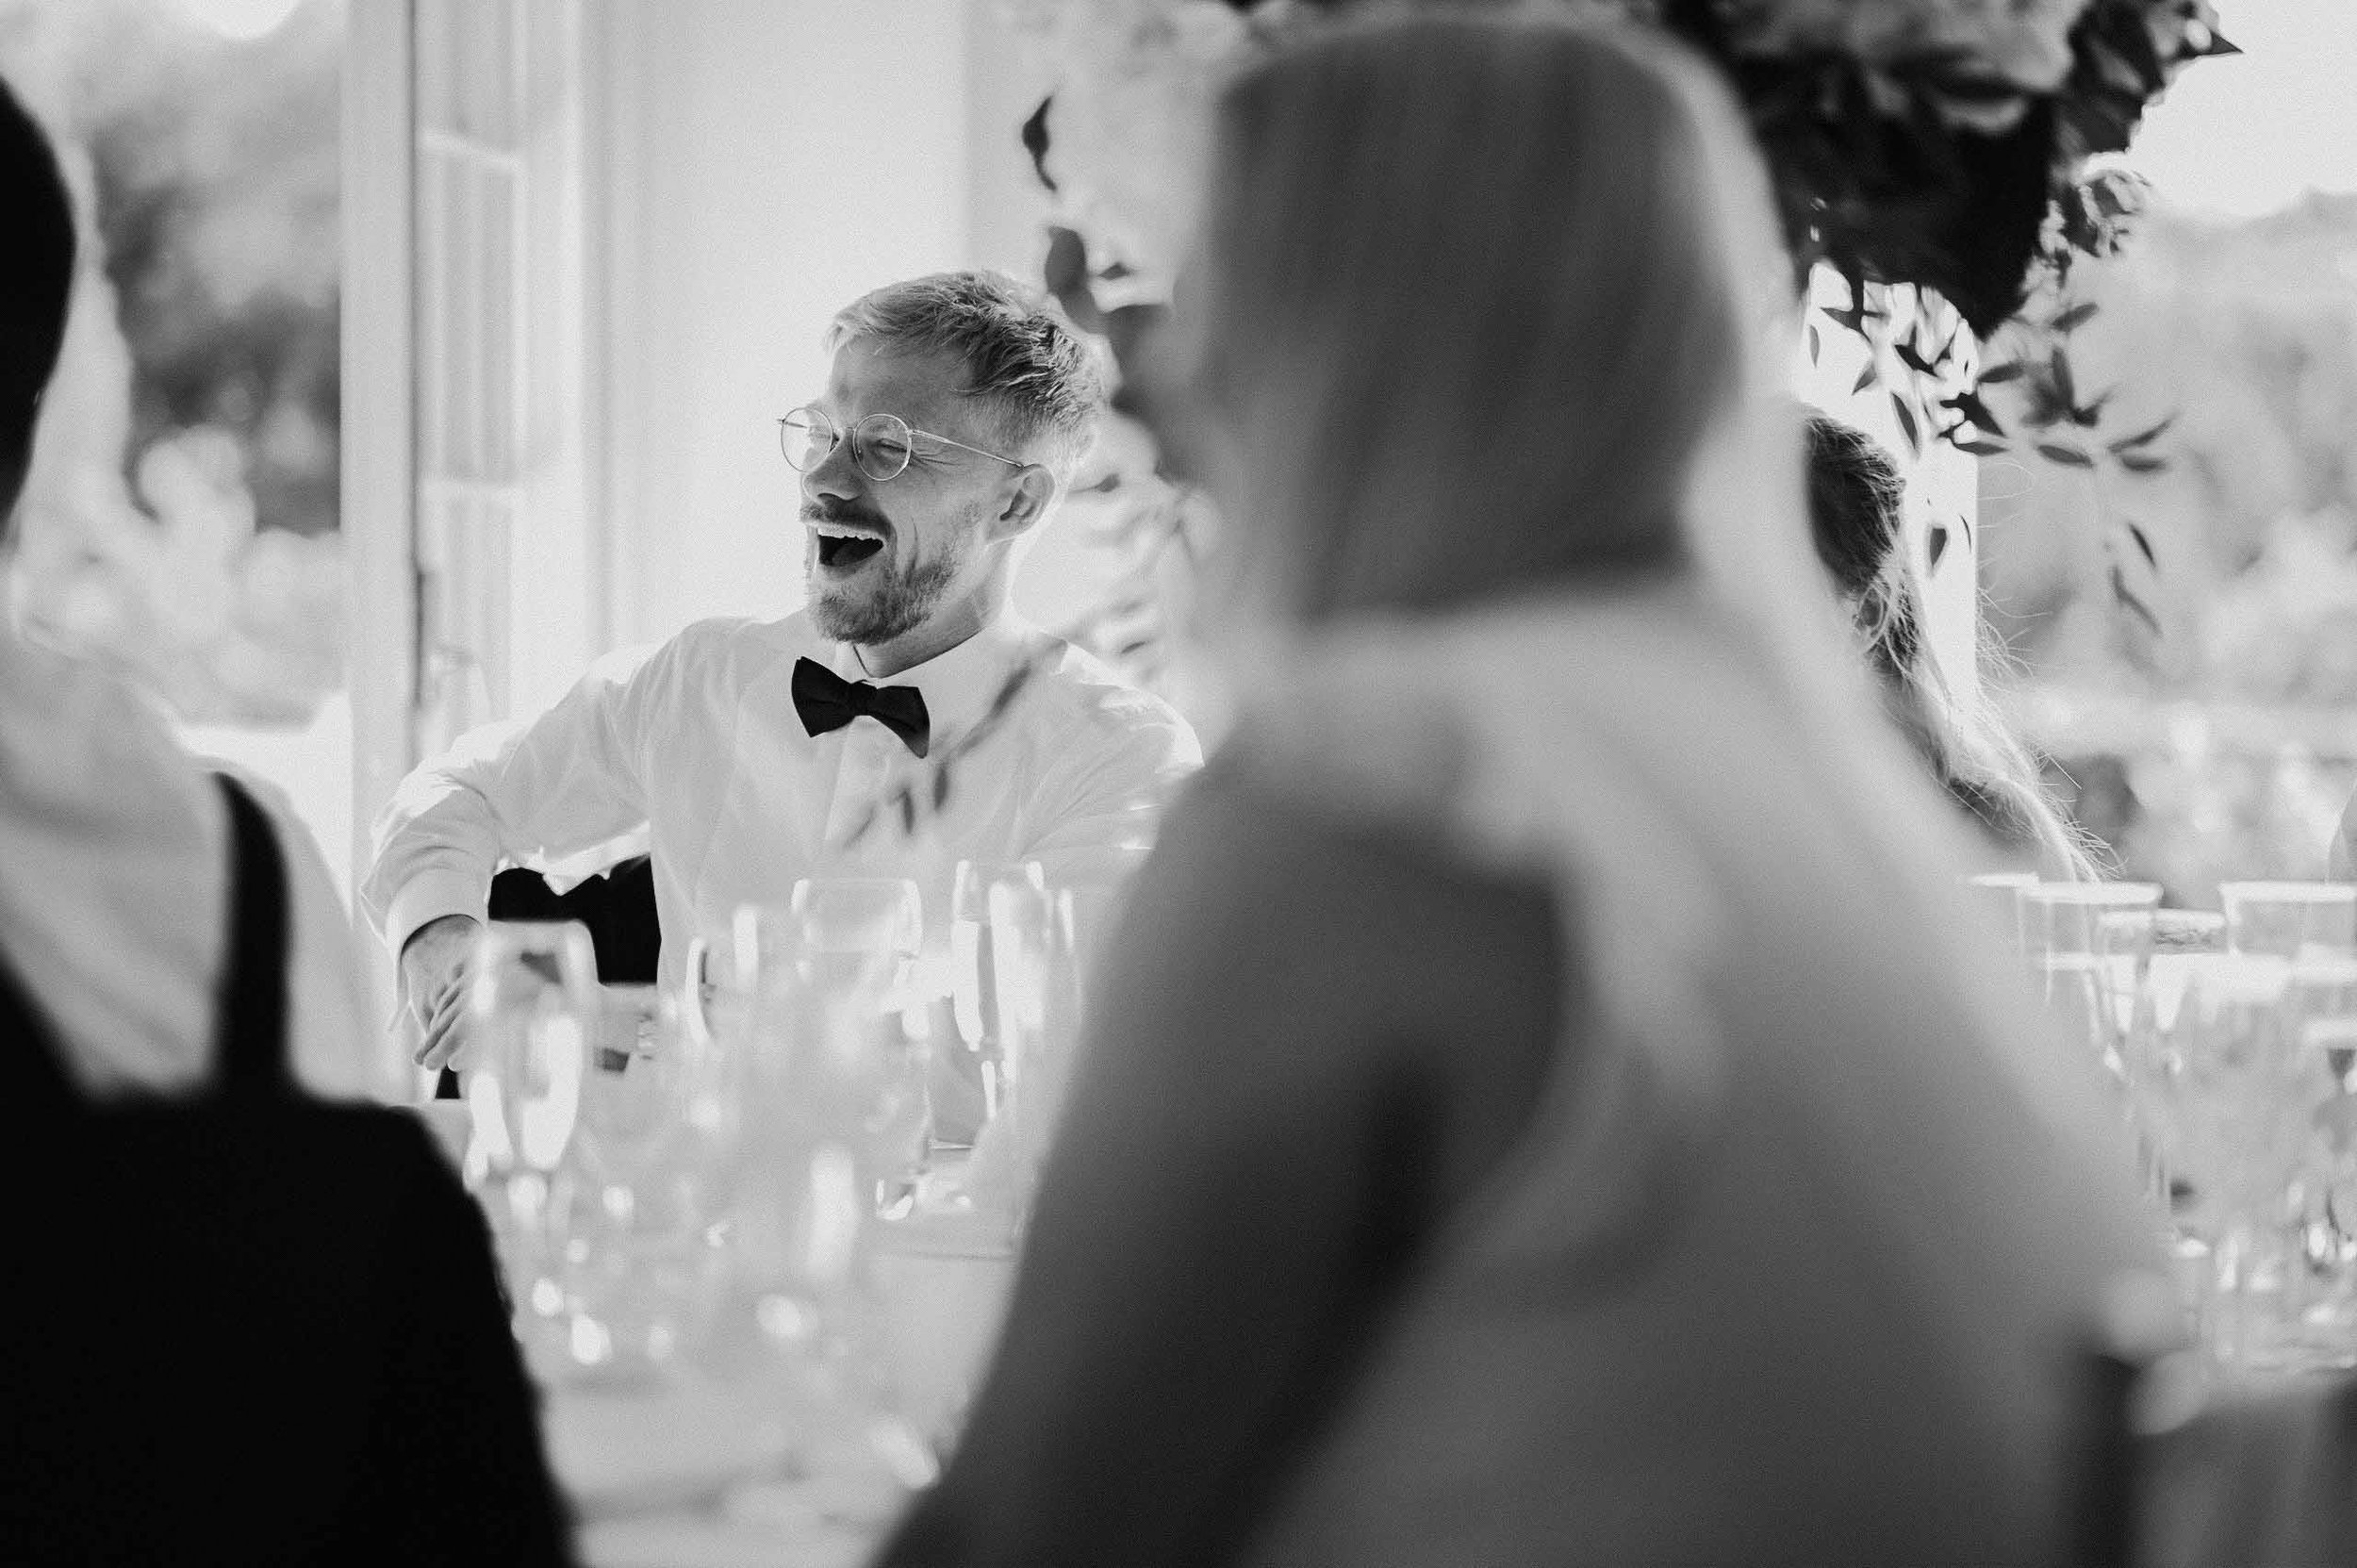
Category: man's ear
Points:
column 1023, row 502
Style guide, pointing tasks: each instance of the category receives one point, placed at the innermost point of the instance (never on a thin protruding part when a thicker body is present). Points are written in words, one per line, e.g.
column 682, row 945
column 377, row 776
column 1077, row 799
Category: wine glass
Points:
column 532, row 1006
column 2086, row 944
column 2290, row 919
column 1001, row 924
column 641, row 1259
column 2233, row 1062
column 2000, row 894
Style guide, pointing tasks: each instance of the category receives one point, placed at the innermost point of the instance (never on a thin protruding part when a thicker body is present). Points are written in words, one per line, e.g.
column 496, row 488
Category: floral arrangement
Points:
column 1915, row 142
column 1932, row 155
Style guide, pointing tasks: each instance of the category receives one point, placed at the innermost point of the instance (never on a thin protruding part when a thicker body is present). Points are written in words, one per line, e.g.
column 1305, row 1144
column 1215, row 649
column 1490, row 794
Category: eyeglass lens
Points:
column 879, row 442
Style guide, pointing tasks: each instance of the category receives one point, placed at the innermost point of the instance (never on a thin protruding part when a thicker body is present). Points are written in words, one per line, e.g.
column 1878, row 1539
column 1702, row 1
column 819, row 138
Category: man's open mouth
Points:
column 843, row 551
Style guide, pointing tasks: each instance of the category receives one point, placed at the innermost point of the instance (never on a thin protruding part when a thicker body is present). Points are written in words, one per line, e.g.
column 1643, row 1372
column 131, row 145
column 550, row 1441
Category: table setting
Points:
column 2229, row 1040
column 758, row 1231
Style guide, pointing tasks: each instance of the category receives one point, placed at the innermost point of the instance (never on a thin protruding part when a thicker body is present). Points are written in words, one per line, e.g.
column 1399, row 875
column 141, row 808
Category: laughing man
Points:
column 758, row 752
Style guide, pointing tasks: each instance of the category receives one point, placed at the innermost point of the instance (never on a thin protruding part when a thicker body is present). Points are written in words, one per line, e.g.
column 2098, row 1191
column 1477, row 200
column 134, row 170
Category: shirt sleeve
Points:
column 563, row 781
column 1103, row 823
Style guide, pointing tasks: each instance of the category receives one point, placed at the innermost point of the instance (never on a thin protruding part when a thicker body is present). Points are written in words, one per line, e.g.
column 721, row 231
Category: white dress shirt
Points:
column 697, row 740
column 114, row 882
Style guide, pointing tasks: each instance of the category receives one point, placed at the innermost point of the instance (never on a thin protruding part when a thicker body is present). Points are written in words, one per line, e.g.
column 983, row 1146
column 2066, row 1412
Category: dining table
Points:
column 708, row 1462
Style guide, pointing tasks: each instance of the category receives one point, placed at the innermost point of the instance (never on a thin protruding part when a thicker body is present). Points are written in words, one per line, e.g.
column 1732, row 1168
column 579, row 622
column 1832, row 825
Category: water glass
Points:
column 2290, row 919
column 835, row 1081
column 2323, row 1006
column 1999, row 893
column 648, row 1177
column 2086, row 944
column 2233, row 1062
column 532, row 1006
column 1001, row 930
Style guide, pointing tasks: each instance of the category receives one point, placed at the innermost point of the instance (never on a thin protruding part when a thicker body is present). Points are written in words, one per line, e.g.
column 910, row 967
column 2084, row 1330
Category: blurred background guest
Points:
column 260, row 1328
column 1856, row 503
column 114, row 845
column 1477, row 1161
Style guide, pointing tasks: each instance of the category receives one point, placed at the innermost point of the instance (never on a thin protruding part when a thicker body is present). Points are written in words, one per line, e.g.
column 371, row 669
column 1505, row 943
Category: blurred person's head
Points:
column 996, row 400
column 1857, row 504
column 36, row 280
column 1465, row 310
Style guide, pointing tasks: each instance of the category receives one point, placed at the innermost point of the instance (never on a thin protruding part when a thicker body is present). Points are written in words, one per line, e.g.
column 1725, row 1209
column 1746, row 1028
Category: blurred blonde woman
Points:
column 1856, row 503
column 1546, row 1102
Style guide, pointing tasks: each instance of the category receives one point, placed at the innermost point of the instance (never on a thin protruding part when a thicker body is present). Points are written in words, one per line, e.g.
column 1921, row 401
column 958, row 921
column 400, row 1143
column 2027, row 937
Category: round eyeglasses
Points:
column 882, row 444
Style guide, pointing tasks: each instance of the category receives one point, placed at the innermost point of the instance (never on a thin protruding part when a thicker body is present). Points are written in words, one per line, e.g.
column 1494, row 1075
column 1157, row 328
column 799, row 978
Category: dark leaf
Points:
column 2069, row 456
column 1907, row 424
column 1937, row 542
column 941, row 788
column 1115, row 271
column 2065, row 387
column 2144, row 438
column 2002, row 371
column 1816, row 343
column 2144, row 545
column 2129, row 601
column 2076, row 316
column 2143, row 462
column 2088, row 416
column 1867, row 377
column 1914, row 360
column 1969, row 404
column 1947, row 350
column 1984, row 449
column 1035, row 140
column 908, row 811
column 1067, row 274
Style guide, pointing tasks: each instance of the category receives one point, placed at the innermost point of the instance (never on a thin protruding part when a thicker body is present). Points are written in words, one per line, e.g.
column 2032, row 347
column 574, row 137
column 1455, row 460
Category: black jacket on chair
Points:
column 617, row 906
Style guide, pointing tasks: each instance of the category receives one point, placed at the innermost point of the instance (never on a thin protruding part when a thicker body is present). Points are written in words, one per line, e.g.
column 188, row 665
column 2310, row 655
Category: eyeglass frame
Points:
column 851, row 434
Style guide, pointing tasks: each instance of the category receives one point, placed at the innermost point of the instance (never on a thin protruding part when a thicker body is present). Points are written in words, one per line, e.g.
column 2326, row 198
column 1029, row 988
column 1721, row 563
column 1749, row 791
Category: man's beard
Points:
column 872, row 617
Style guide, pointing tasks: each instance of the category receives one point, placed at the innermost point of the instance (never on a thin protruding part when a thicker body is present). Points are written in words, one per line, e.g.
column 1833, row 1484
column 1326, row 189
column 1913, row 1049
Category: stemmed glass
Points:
column 1001, row 923
column 531, row 1004
column 2323, row 1007
column 832, row 1086
column 2233, row 1061
column 2290, row 920
column 649, row 1166
column 2087, row 944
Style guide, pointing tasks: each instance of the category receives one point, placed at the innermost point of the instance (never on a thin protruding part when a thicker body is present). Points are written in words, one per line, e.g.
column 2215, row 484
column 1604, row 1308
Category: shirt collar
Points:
column 959, row 684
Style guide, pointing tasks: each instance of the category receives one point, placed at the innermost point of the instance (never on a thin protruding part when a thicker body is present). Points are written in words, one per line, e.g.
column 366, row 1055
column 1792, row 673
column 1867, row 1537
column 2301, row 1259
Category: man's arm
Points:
column 565, row 781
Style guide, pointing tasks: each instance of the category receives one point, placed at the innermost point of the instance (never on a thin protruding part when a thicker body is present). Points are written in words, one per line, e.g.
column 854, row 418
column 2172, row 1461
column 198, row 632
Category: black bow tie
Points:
column 826, row 701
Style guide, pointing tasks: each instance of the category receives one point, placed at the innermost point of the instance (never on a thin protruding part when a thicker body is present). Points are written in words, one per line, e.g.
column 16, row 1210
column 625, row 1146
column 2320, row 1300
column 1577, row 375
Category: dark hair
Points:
column 1021, row 356
column 1855, row 506
column 36, row 280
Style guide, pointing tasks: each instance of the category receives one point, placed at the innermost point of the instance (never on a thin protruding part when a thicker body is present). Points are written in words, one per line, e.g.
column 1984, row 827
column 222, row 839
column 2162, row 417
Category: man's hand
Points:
column 434, row 985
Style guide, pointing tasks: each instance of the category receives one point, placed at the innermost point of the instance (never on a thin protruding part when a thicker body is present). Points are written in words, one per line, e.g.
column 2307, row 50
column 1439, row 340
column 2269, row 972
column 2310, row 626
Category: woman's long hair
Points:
column 1518, row 411
column 1856, row 501
column 1492, row 304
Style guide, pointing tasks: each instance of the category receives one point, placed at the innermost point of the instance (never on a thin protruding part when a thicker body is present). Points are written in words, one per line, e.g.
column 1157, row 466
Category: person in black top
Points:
column 244, row 1325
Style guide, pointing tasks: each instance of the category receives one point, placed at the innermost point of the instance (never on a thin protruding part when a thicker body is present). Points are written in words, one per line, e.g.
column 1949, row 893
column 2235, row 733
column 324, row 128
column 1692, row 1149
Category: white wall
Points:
column 759, row 164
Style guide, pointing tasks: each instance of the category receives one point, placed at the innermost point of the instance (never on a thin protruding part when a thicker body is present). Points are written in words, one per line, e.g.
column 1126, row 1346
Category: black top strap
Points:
column 251, row 1002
